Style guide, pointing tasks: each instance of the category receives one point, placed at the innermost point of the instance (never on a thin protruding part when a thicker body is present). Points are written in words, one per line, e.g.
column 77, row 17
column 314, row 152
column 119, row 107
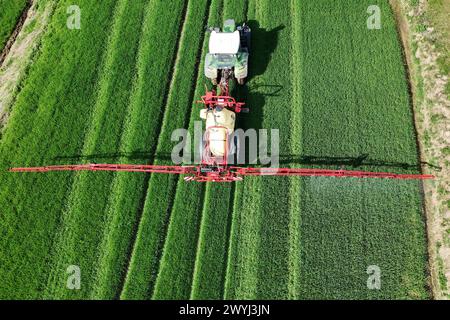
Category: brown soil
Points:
column 432, row 117
column 18, row 54
column 16, row 32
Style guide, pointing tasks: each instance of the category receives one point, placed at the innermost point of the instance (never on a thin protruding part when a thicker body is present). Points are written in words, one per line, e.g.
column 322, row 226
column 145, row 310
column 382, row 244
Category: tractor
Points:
column 228, row 53
column 227, row 58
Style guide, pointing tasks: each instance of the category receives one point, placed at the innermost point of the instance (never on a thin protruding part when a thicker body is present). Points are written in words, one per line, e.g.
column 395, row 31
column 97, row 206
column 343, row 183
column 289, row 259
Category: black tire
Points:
column 234, row 149
column 201, row 147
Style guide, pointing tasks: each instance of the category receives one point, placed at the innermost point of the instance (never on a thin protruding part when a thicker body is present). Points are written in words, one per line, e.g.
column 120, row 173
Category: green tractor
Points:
column 228, row 53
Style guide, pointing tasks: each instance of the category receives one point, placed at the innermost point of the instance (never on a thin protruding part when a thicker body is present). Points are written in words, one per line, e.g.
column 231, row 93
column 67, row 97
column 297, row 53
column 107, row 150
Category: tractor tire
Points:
column 201, row 148
column 234, row 151
column 241, row 81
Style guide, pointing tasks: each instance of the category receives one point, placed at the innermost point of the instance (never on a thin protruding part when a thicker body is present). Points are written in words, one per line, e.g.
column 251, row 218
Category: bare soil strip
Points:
column 16, row 31
column 432, row 120
column 19, row 52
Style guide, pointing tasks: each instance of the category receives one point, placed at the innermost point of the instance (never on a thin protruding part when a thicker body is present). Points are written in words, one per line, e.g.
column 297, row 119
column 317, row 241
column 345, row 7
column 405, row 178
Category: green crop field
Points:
column 115, row 90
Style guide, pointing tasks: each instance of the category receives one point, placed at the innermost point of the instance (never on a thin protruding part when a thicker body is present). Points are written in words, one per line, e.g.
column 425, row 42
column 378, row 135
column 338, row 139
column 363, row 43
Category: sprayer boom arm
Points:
column 112, row 167
column 226, row 174
column 243, row 171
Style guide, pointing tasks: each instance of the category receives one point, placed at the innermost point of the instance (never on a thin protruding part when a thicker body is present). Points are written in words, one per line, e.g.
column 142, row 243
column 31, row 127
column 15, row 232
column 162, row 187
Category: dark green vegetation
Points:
column 59, row 90
column 336, row 91
column 10, row 11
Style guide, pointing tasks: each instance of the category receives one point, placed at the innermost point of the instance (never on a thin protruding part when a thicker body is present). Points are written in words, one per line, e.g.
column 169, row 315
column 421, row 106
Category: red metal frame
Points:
column 211, row 100
column 218, row 171
column 207, row 157
column 217, row 174
column 112, row 167
column 325, row 173
column 204, row 173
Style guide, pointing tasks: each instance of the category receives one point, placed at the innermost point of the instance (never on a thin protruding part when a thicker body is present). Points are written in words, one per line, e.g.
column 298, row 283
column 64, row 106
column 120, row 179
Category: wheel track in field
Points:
column 17, row 28
column 168, row 91
column 231, row 227
column 296, row 147
column 57, row 244
column 228, row 10
column 94, row 135
column 97, row 288
column 198, row 75
column 232, row 199
column 186, row 124
column 237, row 224
column 207, row 18
column 205, row 193
column 247, row 279
column 228, row 236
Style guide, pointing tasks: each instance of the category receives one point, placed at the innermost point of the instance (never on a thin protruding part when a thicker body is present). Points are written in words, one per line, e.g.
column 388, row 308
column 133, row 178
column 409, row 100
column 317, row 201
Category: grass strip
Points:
column 86, row 212
column 211, row 260
column 118, row 243
column 356, row 111
column 143, row 267
column 176, row 267
column 58, row 90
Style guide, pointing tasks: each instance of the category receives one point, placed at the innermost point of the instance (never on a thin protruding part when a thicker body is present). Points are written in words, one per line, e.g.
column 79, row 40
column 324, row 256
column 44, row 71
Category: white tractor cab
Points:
column 228, row 53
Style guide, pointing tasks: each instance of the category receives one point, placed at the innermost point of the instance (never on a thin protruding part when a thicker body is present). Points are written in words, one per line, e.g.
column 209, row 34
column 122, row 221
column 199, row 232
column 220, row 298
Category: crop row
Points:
column 348, row 98
column 151, row 233
column 212, row 251
column 32, row 204
column 259, row 245
column 85, row 212
column 335, row 90
column 176, row 267
column 356, row 111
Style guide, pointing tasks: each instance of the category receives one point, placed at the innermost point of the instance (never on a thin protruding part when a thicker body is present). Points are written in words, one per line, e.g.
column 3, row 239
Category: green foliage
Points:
column 85, row 212
column 353, row 102
column 178, row 259
column 48, row 121
column 159, row 197
column 341, row 99
column 421, row 27
column 212, row 252
column 414, row 3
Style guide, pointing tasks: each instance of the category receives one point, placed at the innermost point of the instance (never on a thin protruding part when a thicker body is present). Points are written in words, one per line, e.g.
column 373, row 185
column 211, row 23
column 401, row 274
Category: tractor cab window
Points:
column 226, row 58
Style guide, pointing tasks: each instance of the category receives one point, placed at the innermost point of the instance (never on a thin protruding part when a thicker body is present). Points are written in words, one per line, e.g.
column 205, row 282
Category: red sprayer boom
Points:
column 225, row 174
column 214, row 166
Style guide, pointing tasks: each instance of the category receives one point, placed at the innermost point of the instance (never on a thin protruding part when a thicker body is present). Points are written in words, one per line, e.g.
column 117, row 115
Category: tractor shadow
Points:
column 254, row 94
column 113, row 156
column 263, row 44
column 353, row 162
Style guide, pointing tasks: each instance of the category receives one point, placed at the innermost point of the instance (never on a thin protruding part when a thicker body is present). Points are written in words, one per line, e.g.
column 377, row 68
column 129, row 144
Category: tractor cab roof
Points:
column 224, row 42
